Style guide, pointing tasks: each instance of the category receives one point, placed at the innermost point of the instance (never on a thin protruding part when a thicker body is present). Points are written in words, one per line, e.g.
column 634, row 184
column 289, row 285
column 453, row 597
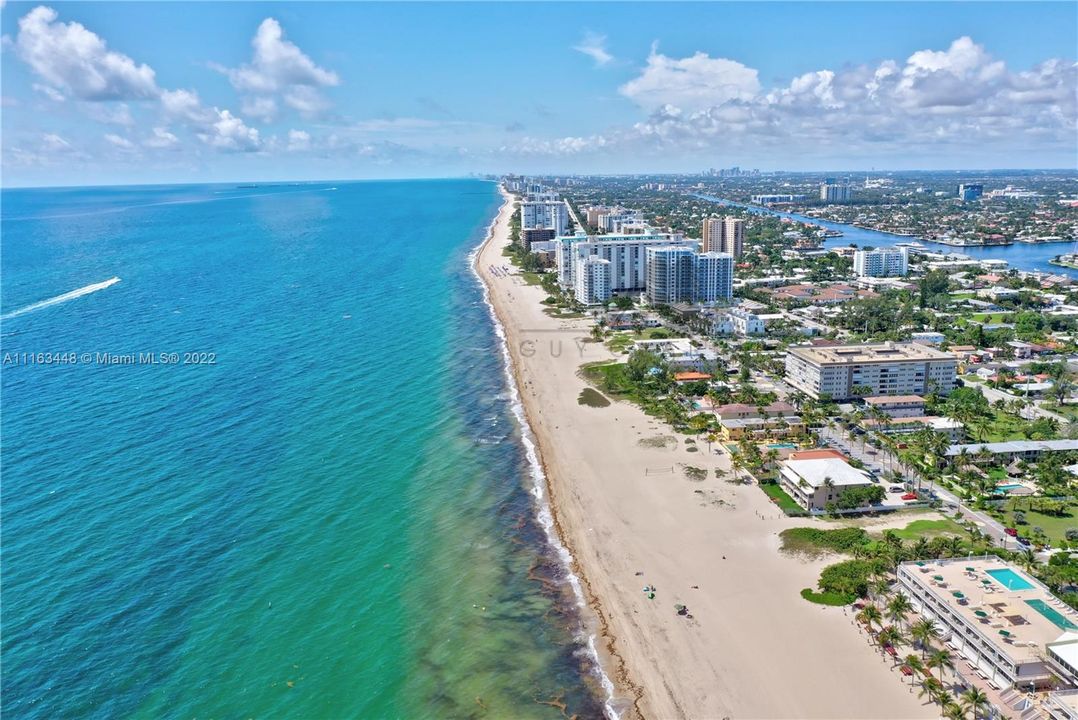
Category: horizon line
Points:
column 486, row 176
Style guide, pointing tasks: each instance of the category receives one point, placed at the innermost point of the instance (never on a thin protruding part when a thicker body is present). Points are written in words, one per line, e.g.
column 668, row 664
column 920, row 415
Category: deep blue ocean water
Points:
column 326, row 515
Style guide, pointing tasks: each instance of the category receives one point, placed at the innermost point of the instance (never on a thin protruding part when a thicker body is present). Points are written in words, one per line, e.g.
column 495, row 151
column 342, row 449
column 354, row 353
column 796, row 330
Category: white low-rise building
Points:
column 1002, row 623
column 814, row 478
column 680, row 353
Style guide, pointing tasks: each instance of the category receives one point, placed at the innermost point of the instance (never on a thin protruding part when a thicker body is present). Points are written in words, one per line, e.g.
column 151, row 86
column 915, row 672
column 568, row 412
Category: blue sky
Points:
column 97, row 93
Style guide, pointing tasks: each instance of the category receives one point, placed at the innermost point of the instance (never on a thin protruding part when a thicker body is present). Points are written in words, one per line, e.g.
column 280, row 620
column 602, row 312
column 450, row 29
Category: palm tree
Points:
column 914, row 663
column 870, row 615
column 940, row 659
column 711, row 437
column 898, row 608
column 920, row 548
column 975, row 701
column 953, row 711
column 923, row 632
column 933, row 688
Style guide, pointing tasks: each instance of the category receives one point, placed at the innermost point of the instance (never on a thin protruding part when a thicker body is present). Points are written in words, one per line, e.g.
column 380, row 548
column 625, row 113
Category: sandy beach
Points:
column 632, row 517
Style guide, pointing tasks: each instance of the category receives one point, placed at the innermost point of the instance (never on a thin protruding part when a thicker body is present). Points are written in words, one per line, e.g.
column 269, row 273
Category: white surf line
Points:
column 62, row 298
column 543, row 512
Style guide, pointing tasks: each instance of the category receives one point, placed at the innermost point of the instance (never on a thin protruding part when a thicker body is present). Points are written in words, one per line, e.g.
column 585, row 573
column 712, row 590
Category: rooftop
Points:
column 1015, row 446
column 1016, row 613
column 894, row 399
column 868, row 353
column 817, row 470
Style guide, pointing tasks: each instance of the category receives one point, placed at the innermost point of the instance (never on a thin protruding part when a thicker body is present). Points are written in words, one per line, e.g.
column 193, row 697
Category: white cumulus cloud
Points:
column 74, row 60
column 279, row 67
column 690, row 83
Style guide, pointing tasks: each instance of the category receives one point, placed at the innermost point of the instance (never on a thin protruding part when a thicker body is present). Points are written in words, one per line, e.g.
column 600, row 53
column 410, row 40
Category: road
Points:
column 880, row 459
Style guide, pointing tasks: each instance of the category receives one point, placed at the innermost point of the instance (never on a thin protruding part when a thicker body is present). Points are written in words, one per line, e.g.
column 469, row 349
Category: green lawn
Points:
column 1054, row 527
column 930, row 529
column 1004, row 426
column 971, row 378
column 532, row 278
column 1068, row 411
column 991, row 317
column 786, row 503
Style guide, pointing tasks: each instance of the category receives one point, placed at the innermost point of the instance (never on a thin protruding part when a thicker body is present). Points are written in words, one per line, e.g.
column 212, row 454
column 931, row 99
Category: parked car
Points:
column 1013, row 532
column 895, row 488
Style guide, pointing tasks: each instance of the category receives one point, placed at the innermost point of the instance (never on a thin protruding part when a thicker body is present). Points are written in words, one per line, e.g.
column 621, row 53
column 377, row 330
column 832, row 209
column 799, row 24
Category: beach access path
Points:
column 633, row 517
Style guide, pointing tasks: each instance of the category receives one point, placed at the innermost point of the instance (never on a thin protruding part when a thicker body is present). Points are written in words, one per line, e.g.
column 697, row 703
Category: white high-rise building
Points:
column 543, row 220
column 832, row 191
column 713, row 277
column 842, row 372
column 625, row 252
column 592, row 280
column 669, row 274
column 678, row 274
column 725, row 235
column 881, row 262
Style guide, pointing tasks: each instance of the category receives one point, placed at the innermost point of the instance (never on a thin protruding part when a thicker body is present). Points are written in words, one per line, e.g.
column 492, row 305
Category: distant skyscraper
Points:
column 724, row 235
column 831, row 191
column 968, row 191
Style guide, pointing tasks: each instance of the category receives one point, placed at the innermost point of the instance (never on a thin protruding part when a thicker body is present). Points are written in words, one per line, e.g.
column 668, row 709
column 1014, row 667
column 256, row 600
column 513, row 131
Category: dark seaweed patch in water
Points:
column 535, row 595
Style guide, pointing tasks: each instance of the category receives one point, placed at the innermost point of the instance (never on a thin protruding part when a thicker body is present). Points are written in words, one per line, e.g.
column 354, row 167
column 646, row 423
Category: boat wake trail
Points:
column 62, row 298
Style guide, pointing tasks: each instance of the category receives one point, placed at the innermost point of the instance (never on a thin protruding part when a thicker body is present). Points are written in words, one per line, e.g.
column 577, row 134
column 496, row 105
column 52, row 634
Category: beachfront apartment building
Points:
column 680, row 353
column 814, row 478
column 676, row 273
column 776, row 421
column 881, row 262
column 1006, row 626
column 724, row 235
column 844, row 372
column 592, row 281
column 543, row 220
column 626, row 253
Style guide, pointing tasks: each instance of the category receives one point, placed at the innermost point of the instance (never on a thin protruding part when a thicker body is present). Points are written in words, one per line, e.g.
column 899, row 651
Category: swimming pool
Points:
column 1007, row 488
column 783, row 446
column 1010, row 579
column 1052, row 614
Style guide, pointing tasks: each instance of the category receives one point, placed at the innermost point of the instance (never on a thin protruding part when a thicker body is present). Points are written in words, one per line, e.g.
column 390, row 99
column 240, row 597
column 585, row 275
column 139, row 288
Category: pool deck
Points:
column 1004, row 609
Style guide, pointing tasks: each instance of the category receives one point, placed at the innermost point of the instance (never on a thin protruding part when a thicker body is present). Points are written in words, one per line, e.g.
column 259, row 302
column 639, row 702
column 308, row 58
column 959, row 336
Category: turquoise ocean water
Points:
column 327, row 516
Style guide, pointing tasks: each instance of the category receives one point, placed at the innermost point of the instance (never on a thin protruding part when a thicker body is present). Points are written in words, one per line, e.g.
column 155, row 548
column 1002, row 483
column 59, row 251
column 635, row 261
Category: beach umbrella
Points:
column 980, row 613
column 920, row 563
column 958, row 594
column 969, row 569
column 937, row 577
column 1005, row 633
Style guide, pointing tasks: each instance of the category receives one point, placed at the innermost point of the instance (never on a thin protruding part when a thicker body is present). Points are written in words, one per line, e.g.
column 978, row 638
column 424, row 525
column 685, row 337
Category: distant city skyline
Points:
column 182, row 92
